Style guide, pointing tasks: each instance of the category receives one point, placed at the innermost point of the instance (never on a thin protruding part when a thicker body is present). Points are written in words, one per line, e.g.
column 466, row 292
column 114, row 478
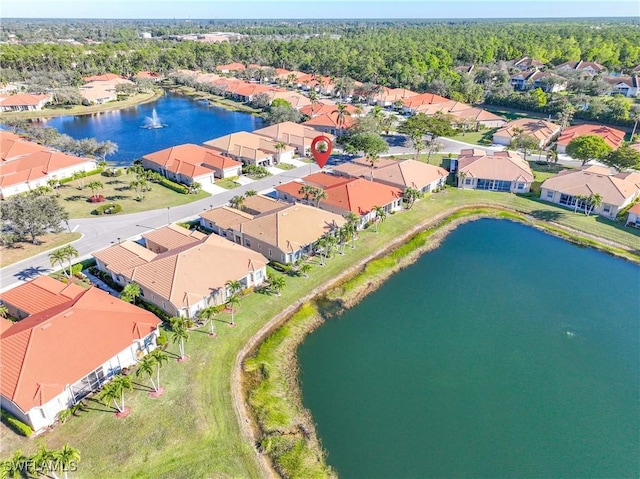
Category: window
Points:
column 467, row 181
column 141, row 293
column 164, row 305
column 259, row 246
column 606, row 208
column 247, row 243
column 282, row 258
column 549, row 195
column 270, row 253
column 521, row 186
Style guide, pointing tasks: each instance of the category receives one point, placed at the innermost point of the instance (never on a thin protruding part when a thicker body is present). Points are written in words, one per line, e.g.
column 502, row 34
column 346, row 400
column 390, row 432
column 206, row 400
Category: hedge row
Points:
column 172, row 185
column 108, row 209
column 15, row 424
column 89, row 173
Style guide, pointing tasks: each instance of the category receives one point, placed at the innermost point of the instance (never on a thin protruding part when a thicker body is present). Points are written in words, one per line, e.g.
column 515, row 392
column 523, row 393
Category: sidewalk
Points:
column 101, row 284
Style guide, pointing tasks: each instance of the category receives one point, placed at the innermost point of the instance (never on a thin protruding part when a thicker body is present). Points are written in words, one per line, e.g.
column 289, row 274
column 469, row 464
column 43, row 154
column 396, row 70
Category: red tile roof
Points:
column 191, row 160
column 23, row 99
column 612, row 136
column 329, row 121
column 40, row 294
column 105, row 77
column 361, row 196
column 36, row 165
column 320, row 108
column 44, row 353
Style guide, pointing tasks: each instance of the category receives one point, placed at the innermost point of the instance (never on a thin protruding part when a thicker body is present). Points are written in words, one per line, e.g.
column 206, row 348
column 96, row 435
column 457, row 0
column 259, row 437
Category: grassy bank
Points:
column 215, row 100
column 193, row 431
column 82, row 110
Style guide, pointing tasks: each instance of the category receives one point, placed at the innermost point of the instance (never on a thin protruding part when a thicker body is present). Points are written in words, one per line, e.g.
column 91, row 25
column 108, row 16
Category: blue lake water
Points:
column 186, row 120
column 504, row 353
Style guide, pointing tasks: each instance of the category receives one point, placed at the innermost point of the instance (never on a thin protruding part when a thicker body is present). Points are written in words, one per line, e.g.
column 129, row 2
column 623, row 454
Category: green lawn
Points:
column 116, row 190
column 436, row 159
column 192, row 431
column 227, row 183
column 475, row 137
column 24, row 250
column 542, row 172
column 285, row 166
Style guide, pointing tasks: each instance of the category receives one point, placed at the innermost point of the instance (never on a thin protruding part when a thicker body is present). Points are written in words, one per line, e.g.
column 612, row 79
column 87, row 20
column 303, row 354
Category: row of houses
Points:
column 25, row 165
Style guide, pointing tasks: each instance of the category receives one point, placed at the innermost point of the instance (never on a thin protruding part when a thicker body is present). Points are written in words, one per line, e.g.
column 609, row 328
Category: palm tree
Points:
column 381, row 214
column 635, row 117
column 70, row 252
column 14, row 467
column 59, row 257
column 41, row 462
column 4, row 311
column 307, row 191
column 331, row 242
column 114, row 391
column 594, row 201
column 321, row 247
column 237, row 202
column 305, row 269
column 411, row 195
column 234, row 286
column 69, row 456
column 159, row 357
column 232, row 301
column 276, row 284
column 343, row 113
column 249, row 193
column 318, row 195
column 194, row 187
column 145, row 366
column 95, row 186
column 373, row 159
column 280, row 147
column 433, row 147
column 353, row 221
column 130, row 293
column 180, row 328
column 208, row 314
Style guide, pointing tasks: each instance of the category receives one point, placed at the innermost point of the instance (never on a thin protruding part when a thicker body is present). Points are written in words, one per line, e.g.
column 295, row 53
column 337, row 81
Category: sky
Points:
column 310, row 9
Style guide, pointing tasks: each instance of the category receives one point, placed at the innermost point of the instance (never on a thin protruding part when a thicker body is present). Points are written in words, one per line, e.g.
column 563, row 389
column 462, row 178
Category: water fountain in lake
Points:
column 152, row 122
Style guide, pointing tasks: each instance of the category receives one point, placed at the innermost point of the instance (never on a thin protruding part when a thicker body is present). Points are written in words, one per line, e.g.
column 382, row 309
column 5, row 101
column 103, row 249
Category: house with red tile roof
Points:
column 326, row 107
column 25, row 165
column 504, row 171
column 612, row 136
column 387, row 97
column 293, row 134
column 570, row 187
column 410, row 104
column 107, row 77
column 23, row 102
column 633, row 218
column 186, row 279
column 296, row 100
column 247, row 92
column 171, row 237
column 147, row 75
column 71, row 345
column 190, row 163
column 345, row 195
column 251, row 149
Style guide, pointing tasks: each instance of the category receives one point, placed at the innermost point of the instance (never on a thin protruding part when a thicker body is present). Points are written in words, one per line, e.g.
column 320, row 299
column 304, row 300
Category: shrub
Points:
column 108, row 209
column 96, row 199
column 112, row 172
column 15, row 424
column 162, row 339
column 154, row 309
column 283, row 268
column 172, row 185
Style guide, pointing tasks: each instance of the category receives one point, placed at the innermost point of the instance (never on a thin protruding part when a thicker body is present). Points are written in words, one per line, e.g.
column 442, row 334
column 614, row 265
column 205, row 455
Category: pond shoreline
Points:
column 344, row 292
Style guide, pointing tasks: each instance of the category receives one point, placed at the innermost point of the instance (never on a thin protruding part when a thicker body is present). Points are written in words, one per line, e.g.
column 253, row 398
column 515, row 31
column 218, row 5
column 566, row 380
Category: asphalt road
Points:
column 99, row 233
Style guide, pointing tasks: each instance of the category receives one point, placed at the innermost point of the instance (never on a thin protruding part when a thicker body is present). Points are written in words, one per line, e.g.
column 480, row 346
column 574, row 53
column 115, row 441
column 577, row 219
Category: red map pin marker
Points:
column 321, row 157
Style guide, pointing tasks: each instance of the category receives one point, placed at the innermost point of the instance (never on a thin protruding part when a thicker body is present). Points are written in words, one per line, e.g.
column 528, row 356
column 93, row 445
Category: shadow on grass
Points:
column 141, row 387
column 115, row 182
column 76, row 198
column 123, row 188
column 93, row 404
column 117, row 197
column 547, row 215
column 618, row 226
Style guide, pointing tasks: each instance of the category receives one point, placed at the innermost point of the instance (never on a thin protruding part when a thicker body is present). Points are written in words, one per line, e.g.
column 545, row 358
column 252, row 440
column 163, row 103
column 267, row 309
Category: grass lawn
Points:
column 543, row 172
column 24, row 250
column 81, row 110
column 285, row 166
column 192, row 431
column 475, row 137
column 436, row 159
column 116, row 190
column 216, row 100
column 227, row 183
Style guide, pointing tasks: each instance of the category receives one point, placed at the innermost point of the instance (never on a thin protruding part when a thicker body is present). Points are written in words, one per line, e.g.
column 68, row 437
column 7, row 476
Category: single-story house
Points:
column 612, row 136
column 543, row 131
column 532, row 79
column 147, row 75
column 401, row 174
column 192, row 163
column 569, row 187
column 409, row 105
column 627, row 86
column 345, row 196
column 26, row 165
column 388, row 97
column 329, row 123
column 501, row 171
column 224, row 220
column 231, row 67
column 105, row 77
column 289, row 233
column 73, row 342
column 171, row 237
column 634, row 216
column 247, row 92
column 294, row 134
column 184, row 280
column 251, row 149
column 260, row 204
column 98, row 92
column 23, row 102
column 296, row 100
column 324, row 107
